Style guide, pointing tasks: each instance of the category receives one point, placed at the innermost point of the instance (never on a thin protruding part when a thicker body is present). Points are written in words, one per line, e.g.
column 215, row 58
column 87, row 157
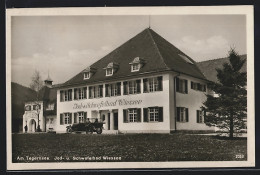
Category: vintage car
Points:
column 86, row 127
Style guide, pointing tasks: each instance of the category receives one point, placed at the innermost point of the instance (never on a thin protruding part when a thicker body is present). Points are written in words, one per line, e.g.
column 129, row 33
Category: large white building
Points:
column 146, row 85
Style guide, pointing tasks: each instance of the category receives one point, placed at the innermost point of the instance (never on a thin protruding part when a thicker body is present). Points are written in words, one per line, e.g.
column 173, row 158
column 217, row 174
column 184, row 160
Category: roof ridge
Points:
column 156, row 47
column 218, row 59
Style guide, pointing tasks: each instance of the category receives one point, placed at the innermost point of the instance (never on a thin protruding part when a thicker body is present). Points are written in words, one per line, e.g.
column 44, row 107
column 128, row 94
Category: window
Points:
column 132, row 87
column 80, row 93
column 136, row 64
column 65, row 118
column 181, row 85
column 182, row 114
column 152, row 84
column 198, row 86
column 96, row 91
column 66, row 95
column 111, row 68
column 27, row 107
column 50, row 106
column 200, row 117
column 113, row 89
column 109, row 71
column 36, row 107
column 81, row 117
column 86, row 75
column 135, row 67
column 153, row 114
column 132, row 115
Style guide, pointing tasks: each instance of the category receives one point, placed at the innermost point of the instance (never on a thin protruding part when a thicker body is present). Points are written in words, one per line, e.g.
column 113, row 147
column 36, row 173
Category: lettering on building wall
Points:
column 121, row 102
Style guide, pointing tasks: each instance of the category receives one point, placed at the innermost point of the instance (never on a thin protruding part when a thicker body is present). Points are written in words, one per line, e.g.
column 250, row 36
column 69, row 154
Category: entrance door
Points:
column 116, row 121
column 32, row 126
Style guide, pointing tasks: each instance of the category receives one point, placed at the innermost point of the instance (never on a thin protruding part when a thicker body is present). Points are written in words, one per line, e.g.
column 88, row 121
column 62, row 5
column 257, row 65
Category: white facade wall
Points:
column 193, row 101
column 158, row 98
column 31, row 116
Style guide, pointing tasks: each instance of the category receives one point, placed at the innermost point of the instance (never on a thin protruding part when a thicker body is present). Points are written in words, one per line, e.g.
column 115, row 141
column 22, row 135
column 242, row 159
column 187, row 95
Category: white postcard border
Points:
column 198, row 10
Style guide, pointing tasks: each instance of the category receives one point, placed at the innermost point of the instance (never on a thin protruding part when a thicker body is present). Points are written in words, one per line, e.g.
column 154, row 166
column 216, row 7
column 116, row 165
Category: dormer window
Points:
column 111, row 68
column 136, row 64
column 88, row 72
column 86, row 75
column 135, row 67
column 109, row 72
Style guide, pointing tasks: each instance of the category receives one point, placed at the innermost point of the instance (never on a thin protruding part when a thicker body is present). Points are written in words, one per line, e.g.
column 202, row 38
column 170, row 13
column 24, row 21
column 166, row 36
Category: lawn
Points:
column 135, row 147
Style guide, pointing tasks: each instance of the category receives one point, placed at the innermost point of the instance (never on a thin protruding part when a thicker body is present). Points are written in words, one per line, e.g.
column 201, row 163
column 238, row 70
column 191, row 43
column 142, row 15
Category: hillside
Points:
column 19, row 95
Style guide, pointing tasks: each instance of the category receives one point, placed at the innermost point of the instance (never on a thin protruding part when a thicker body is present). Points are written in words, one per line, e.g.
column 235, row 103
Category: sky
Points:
column 65, row 45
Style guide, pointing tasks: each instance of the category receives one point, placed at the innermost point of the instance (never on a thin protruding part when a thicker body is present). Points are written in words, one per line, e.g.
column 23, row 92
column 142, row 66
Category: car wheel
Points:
column 99, row 130
column 69, row 130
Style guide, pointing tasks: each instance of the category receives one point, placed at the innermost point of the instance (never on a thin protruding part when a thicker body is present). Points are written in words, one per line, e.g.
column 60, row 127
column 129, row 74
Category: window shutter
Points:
column 75, row 94
column 85, row 117
column 178, row 114
column 70, row 94
column 106, row 90
column 139, row 114
column 177, row 84
column 160, row 83
column 125, row 88
column 138, row 83
column 145, row 85
column 186, row 86
column 145, row 114
column 61, row 96
column 118, row 88
column 85, row 92
column 70, row 119
column 125, row 111
column 90, row 92
column 61, row 119
column 75, row 117
column 160, row 114
column 205, row 88
column 198, row 114
column 101, row 90
column 191, row 85
column 187, row 115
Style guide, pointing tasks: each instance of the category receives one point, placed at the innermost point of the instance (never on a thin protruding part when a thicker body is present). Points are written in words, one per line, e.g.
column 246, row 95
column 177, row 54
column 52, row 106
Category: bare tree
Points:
column 36, row 85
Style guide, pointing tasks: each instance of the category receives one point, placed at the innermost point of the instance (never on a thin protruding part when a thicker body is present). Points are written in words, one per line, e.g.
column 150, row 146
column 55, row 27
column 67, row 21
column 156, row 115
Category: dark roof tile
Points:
column 208, row 68
column 159, row 55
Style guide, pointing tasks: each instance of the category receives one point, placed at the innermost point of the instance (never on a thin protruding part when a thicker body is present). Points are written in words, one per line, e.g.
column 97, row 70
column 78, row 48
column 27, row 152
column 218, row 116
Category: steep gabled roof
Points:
column 208, row 68
column 159, row 55
column 48, row 94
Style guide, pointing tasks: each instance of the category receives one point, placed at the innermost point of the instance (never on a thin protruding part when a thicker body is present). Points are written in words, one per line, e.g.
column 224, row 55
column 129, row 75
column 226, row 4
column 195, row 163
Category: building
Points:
column 146, row 85
column 19, row 95
column 44, row 106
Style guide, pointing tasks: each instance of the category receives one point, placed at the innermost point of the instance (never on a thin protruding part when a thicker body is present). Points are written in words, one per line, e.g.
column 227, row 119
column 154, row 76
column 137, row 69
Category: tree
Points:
column 228, row 108
column 36, row 85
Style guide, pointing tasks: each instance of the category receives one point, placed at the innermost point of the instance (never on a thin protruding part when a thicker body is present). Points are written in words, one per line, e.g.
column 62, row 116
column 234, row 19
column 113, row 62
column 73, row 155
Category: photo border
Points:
column 187, row 10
